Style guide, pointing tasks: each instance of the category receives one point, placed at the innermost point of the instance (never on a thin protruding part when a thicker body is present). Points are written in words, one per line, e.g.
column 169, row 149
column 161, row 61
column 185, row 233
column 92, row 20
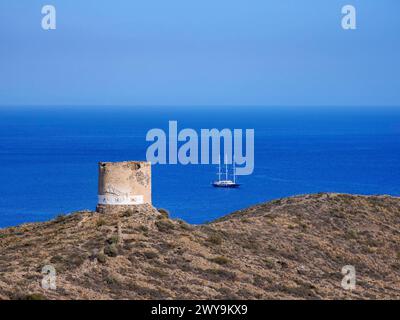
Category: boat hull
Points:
column 233, row 185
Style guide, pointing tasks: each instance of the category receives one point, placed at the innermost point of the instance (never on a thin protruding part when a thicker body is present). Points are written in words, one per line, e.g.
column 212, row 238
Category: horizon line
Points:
column 190, row 106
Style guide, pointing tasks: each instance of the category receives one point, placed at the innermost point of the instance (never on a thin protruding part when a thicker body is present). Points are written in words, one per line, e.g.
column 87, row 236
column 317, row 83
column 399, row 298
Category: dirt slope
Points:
column 292, row 248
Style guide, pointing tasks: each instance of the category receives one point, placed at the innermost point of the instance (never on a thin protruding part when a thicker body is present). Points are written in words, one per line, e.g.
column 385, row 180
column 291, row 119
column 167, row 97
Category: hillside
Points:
column 292, row 248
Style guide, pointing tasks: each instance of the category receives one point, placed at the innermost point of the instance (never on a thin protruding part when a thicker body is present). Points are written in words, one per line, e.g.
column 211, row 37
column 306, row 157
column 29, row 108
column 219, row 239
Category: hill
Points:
column 292, row 248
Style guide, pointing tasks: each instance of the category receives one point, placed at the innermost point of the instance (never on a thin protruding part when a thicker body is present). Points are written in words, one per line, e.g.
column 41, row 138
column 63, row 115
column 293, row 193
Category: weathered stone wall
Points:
column 123, row 185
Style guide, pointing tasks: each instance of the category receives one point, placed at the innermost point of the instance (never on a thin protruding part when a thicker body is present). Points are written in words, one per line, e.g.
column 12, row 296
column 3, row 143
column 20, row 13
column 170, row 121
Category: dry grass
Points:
column 290, row 248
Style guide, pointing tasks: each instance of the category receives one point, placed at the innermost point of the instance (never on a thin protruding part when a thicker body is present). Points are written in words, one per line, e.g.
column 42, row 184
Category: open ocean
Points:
column 49, row 156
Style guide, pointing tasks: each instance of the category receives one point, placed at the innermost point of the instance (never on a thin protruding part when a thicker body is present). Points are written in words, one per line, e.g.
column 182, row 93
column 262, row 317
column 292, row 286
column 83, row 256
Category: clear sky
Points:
column 200, row 52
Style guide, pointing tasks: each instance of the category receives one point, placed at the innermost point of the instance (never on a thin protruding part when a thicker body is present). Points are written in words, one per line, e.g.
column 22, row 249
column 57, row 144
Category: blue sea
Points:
column 49, row 156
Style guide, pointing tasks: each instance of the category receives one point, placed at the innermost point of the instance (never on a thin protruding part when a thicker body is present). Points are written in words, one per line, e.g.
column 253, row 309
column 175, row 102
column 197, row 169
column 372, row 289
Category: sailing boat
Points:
column 227, row 183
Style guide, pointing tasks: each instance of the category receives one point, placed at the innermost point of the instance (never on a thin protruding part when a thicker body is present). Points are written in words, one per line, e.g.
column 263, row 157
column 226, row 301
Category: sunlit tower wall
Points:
column 123, row 185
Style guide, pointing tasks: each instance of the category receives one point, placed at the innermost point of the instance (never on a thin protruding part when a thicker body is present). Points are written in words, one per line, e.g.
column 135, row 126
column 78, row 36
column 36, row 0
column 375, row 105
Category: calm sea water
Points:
column 49, row 156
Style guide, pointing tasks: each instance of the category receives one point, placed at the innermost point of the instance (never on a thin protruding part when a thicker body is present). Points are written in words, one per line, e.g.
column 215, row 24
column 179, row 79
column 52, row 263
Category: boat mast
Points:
column 219, row 168
column 226, row 168
column 234, row 170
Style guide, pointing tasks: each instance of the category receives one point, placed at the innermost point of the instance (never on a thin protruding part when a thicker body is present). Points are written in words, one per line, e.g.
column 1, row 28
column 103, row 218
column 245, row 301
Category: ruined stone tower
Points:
column 123, row 185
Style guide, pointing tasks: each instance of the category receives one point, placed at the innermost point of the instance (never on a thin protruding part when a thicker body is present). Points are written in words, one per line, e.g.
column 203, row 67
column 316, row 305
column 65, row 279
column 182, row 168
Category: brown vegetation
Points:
column 290, row 248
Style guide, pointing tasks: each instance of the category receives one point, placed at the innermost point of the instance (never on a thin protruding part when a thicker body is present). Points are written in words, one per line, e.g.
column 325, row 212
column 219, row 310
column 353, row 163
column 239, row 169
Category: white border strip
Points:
column 120, row 200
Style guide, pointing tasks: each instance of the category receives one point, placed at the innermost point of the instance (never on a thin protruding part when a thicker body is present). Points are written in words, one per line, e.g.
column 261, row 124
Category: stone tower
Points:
column 123, row 185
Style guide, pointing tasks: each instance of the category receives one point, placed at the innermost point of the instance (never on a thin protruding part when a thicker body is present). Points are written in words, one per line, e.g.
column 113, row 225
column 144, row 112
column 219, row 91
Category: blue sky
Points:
column 200, row 52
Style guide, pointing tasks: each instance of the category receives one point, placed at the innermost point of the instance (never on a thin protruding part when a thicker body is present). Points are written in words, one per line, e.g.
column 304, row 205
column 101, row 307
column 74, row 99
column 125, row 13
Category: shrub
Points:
column 214, row 239
column 34, row 296
column 70, row 261
column 165, row 246
column 111, row 250
column 100, row 222
column 128, row 213
column 165, row 225
column 60, row 218
column 368, row 249
column 219, row 275
column 146, row 292
column 157, row 273
column 76, row 259
column 143, row 228
column 113, row 240
column 351, row 234
column 164, row 213
column 220, row 260
column 184, row 226
column 269, row 263
column 150, row 254
column 111, row 280
column 259, row 281
column 101, row 257
column 250, row 245
column 57, row 259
